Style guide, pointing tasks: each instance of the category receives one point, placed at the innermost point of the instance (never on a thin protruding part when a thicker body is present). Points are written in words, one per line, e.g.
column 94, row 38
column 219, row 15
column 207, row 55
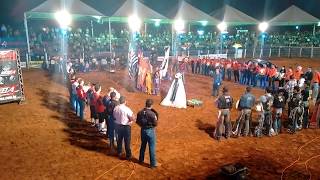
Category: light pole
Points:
column 222, row 28
column 262, row 27
column 134, row 23
column 179, row 26
column 64, row 19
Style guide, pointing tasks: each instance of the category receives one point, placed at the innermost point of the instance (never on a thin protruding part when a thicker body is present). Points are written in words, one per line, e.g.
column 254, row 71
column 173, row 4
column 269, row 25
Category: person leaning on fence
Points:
column 224, row 104
column 148, row 119
column 247, row 101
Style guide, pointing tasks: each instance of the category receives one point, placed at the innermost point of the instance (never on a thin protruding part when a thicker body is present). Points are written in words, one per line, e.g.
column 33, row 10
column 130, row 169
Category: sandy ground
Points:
column 43, row 139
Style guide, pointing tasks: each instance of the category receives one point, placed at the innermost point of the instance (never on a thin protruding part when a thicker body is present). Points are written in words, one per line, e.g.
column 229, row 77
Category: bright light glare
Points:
column 157, row 22
column 204, row 23
column 134, row 23
column 63, row 17
column 179, row 25
column 263, row 26
column 318, row 23
column 222, row 26
column 200, row 32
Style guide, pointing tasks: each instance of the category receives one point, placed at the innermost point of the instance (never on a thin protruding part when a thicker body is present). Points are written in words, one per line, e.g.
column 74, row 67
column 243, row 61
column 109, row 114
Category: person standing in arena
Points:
column 305, row 102
column 224, row 104
column 315, row 88
column 278, row 106
column 296, row 113
column 91, row 101
column 217, row 81
column 74, row 97
column 267, row 102
column 236, row 71
column 263, row 76
column 110, row 105
column 100, row 109
column 124, row 118
column 81, row 99
column 246, row 103
column 148, row 119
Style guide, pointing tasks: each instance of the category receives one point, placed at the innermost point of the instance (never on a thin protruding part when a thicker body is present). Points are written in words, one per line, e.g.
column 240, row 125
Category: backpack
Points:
column 110, row 107
column 90, row 95
column 267, row 104
column 225, row 102
column 142, row 118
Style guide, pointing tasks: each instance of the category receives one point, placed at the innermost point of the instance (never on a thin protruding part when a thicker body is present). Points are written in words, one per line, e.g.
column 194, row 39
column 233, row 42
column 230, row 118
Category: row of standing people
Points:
column 253, row 74
column 270, row 107
column 112, row 117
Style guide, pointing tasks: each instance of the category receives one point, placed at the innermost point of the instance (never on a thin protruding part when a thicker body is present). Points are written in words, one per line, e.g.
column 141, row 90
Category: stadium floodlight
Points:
column 134, row 23
column 318, row 23
column 179, row 25
column 263, row 26
column 222, row 26
column 200, row 32
column 63, row 17
column 204, row 23
column 157, row 22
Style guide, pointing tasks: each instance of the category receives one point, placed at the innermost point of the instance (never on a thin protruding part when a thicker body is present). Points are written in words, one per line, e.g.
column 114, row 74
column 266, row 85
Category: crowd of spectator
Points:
column 80, row 40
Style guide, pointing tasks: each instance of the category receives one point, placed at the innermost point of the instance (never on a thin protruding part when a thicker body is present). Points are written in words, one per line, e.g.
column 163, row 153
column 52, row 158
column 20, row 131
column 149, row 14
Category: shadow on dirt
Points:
column 81, row 133
column 206, row 127
column 262, row 165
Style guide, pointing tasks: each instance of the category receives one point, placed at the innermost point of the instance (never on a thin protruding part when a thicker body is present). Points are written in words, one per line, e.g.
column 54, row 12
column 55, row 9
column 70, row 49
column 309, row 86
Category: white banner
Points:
column 165, row 63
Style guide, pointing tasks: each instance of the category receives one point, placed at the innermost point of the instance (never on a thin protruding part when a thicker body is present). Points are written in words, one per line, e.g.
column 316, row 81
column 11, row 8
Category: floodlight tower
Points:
column 222, row 28
column 178, row 28
column 263, row 28
column 64, row 19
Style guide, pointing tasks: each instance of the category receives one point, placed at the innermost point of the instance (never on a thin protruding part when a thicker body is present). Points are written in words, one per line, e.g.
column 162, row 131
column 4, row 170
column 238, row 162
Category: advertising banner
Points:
column 10, row 89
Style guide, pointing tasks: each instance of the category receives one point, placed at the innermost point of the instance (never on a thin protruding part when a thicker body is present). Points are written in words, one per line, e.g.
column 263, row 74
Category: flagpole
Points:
column 27, row 36
column 110, row 35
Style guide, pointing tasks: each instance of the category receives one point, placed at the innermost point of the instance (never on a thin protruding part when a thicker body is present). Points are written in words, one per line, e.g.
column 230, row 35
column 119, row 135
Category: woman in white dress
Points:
column 176, row 96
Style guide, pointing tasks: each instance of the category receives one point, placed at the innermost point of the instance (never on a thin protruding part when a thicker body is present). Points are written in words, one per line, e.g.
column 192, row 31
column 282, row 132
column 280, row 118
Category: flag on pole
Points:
column 165, row 62
column 132, row 63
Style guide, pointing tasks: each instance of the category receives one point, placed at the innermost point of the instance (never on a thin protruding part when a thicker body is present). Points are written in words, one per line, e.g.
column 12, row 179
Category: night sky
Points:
column 11, row 11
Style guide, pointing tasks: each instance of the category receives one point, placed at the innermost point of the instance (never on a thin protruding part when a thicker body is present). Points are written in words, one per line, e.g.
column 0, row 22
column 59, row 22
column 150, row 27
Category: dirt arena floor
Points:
column 43, row 139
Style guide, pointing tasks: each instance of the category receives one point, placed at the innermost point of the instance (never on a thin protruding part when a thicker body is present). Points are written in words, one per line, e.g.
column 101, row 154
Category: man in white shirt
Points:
column 123, row 119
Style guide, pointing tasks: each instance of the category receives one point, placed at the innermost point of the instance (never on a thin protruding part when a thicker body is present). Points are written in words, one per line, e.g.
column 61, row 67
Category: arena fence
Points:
column 266, row 52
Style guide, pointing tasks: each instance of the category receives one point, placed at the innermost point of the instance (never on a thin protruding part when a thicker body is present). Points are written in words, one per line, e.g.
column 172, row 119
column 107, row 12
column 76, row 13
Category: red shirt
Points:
column 80, row 92
column 288, row 74
column 316, row 77
column 99, row 105
column 297, row 74
column 272, row 72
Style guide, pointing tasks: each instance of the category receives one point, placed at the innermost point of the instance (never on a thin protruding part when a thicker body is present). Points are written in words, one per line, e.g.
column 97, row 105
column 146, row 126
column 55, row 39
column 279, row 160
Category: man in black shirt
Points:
column 309, row 74
column 147, row 119
column 305, row 101
column 224, row 104
column 110, row 105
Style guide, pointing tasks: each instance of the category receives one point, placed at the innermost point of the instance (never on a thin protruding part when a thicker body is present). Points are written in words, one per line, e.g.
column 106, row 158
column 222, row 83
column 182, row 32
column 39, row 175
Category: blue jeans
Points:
column 124, row 133
column 148, row 136
column 111, row 130
column 315, row 91
column 277, row 120
column 263, row 81
column 229, row 74
column 254, row 79
column 215, row 90
column 81, row 108
column 73, row 101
